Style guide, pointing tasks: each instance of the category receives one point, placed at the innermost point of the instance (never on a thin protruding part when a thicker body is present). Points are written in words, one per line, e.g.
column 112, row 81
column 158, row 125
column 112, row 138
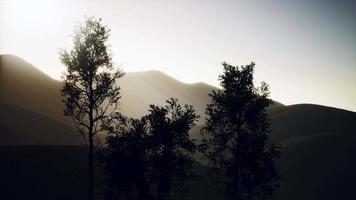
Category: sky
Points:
column 305, row 50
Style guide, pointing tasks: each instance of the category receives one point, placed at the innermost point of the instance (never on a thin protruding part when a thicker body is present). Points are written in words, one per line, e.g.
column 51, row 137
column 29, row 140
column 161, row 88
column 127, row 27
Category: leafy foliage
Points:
column 127, row 159
column 146, row 157
column 236, row 134
column 90, row 80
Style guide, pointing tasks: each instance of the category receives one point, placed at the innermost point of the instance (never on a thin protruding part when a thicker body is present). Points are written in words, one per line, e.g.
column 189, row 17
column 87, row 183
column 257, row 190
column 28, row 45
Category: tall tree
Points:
column 173, row 153
column 236, row 133
column 90, row 89
column 145, row 157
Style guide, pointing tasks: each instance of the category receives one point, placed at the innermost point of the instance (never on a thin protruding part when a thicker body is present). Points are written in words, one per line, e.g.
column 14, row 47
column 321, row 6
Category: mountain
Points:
column 318, row 146
column 318, row 142
column 31, row 107
column 25, row 86
column 308, row 120
column 318, row 150
column 19, row 126
column 31, row 98
column 140, row 89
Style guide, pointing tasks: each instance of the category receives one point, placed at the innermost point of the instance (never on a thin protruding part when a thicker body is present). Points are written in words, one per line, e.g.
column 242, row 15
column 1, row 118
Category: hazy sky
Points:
column 305, row 50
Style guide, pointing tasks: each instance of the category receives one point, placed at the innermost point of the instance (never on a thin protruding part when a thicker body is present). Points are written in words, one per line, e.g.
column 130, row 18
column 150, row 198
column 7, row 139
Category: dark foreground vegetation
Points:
column 311, row 170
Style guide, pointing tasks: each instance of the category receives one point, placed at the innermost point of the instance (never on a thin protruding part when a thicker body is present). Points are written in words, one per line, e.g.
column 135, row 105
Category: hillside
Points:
column 41, row 94
column 23, row 85
column 139, row 89
column 318, row 148
column 19, row 126
column 308, row 120
column 31, row 98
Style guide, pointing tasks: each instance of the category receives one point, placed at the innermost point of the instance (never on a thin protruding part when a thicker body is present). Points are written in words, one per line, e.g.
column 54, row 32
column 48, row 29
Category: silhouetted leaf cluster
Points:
column 146, row 157
column 236, row 133
column 90, row 81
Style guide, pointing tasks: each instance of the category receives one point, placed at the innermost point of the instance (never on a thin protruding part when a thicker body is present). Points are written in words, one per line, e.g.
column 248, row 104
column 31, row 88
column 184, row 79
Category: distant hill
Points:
column 318, row 142
column 139, row 89
column 19, row 126
column 318, row 150
column 25, row 86
column 33, row 98
column 308, row 120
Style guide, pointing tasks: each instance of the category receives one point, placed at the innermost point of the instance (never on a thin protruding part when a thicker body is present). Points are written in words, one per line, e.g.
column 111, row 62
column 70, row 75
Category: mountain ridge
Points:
column 150, row 73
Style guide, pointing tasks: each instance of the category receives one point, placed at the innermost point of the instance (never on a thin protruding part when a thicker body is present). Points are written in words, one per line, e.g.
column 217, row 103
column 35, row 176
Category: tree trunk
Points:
column 91, row 166
column 91, row 144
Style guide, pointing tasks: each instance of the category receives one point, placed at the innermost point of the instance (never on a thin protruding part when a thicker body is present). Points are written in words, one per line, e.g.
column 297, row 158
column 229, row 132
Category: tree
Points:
column 90, row 89
column 173, row 153
column 145, row 157
column 127, row 159
column 236, row 133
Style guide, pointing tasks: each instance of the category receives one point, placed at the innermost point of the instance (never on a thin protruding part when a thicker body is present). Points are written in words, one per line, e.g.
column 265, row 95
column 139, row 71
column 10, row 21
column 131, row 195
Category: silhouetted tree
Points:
column 236, row 133
column 173, row 151
column 90, row 89
column 146, row 157
column 127, row 159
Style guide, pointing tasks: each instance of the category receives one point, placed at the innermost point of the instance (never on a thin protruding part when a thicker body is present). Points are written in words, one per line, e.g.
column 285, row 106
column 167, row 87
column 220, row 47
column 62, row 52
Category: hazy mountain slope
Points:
column 318, row 148
column 35, row 99
column 19, row 126
column 309, row 120
column 140, row 89
column 23, row 85
column 319, row 167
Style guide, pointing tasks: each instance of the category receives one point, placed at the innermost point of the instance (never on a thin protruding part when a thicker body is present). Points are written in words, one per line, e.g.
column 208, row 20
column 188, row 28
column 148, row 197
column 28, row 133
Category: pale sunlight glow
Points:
column 32, row 29
column 34, row 17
